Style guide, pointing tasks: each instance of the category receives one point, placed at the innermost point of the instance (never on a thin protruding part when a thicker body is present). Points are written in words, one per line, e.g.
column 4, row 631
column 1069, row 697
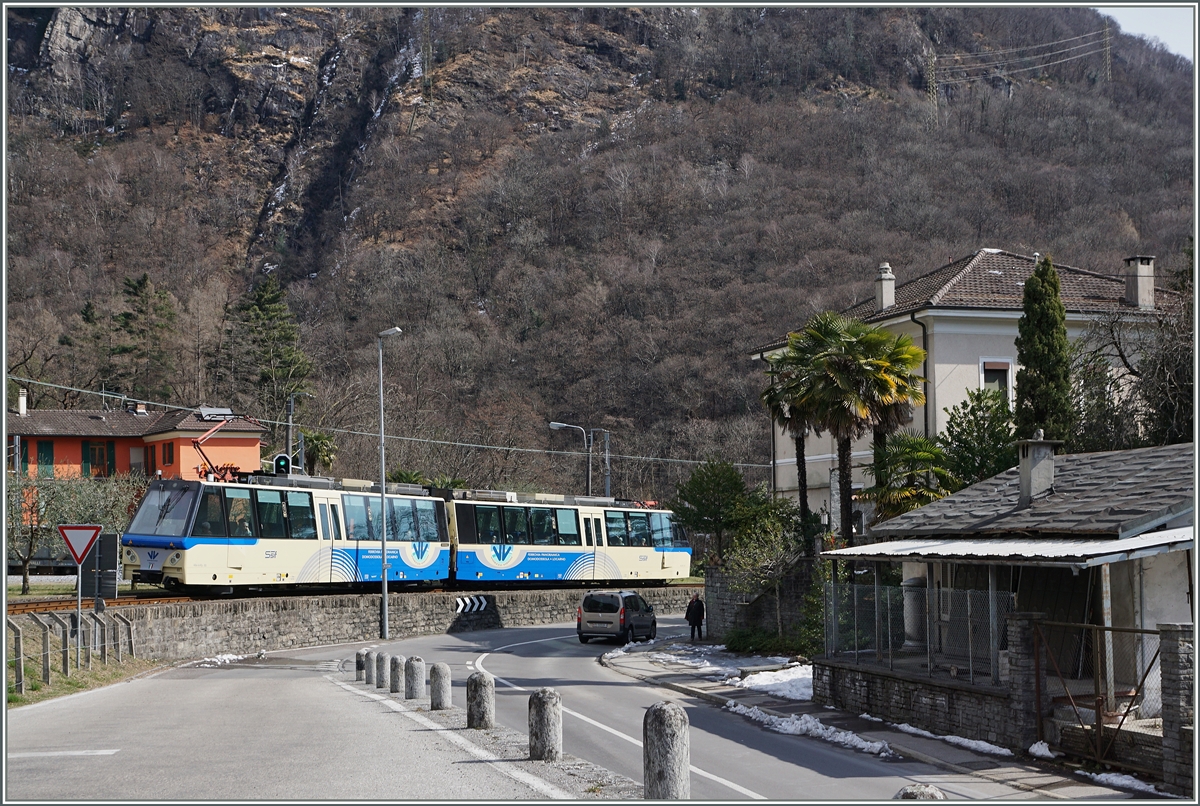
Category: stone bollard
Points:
column 439, row 687
column 397, row 670
column 919, row 792
column 481, row 701
column 369, row 668
column 414, row 678
column 360, row 662
column 666, row 753
column 381, row 670
column 545, row 725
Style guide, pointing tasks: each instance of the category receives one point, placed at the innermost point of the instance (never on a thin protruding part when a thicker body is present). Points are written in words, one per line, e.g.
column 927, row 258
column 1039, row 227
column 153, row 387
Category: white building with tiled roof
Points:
column 965, row 316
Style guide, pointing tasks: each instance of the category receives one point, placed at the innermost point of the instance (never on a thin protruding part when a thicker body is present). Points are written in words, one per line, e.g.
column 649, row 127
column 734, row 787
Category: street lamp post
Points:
column 587, row 446
column 607, row 464
column 383, row 563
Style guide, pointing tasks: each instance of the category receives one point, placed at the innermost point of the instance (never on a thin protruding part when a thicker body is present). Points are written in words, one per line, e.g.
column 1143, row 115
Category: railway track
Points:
column 47, row 605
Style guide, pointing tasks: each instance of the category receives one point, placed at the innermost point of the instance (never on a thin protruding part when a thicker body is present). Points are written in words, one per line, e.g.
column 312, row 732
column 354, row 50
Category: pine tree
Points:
column 143, row 356
column 1043, row 352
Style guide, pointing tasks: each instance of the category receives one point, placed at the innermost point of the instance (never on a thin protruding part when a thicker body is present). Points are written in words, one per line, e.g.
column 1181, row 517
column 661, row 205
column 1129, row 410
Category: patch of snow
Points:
column 808, row 725
column 792, row 683
column 1122, row 780
column 970, row 744
column 219, row 659
column 869, row 717
column 1041, row 750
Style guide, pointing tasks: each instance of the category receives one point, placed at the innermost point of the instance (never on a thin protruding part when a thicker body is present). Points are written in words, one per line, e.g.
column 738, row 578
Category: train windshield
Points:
column 165, row 509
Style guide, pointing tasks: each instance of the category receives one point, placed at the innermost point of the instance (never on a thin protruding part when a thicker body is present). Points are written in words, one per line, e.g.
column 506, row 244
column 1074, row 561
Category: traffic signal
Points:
column 283, row 465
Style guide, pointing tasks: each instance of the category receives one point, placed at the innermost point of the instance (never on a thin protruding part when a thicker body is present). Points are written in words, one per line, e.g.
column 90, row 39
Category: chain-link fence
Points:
column 958, row 634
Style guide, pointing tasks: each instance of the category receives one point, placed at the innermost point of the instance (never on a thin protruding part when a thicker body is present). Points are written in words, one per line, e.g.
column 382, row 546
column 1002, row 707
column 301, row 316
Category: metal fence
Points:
column 1106, row 679
column 956, row 634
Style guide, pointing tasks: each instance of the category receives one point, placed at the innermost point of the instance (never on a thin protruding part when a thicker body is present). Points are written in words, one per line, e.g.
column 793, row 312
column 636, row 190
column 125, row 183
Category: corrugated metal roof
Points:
column 1075, row 552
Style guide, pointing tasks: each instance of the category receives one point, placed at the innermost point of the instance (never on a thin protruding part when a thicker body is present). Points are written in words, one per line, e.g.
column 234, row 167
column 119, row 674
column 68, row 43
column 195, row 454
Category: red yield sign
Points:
column 79, row 539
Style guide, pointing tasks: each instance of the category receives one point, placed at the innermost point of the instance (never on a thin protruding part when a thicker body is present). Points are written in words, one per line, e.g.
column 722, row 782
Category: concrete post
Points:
column 128, row 631
column 369, row 669
column 666, row 753
column 101, row 636
column 414, row 678
column 66, row 643
column 360, row 665
column 1023, row 685
column 545, row 725
column 381, row 670
column 481, row 701
column 1177, row 671
column 397, row 674
column 45, row 647
column 439, row 687
column 18, row 657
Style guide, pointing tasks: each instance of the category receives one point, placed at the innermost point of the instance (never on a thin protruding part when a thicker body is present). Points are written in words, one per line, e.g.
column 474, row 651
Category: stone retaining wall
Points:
column 244, row 626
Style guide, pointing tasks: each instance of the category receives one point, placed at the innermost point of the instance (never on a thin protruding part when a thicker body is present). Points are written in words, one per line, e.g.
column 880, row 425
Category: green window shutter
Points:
column 45, row 458
column 24, row 457
column 85, row 465
column 112, row 457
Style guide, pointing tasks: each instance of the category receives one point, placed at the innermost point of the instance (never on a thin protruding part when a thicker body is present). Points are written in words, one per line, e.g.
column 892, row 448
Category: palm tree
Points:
column 910, row 472
column 792, row 365
column 855, row 377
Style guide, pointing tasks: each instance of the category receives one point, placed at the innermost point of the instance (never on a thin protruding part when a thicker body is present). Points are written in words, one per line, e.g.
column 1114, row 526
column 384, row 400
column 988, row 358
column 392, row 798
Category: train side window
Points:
column 401, row 524
column 359, row 524
column 541, row 522
column 516, row 525
column 269, row 508
column 599, row 533
column 337, row 522
column 300, row 516
column 210, row 520
column 639, row 528
column 326, row 526
column 614, row 523
column 587, row 531
column 240, row 513
column 487, row 524
column 568, row 528
column 427, row 521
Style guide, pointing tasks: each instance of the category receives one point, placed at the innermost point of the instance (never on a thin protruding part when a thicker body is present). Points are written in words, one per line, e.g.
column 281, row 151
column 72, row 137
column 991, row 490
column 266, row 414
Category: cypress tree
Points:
column 1044, row 379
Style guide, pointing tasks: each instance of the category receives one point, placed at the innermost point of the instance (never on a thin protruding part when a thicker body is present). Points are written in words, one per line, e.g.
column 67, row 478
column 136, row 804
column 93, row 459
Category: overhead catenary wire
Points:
column 423, row 440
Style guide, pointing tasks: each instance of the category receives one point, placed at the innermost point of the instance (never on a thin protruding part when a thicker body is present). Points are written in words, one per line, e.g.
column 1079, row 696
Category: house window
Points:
column 168, row 456
column 98, row 459
column 151, row 464
column 995, row 375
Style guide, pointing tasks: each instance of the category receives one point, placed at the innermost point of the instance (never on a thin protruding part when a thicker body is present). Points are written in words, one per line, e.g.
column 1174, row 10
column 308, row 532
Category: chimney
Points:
column 885, row 288
column 140, row 410
column 1139, row 282
column 23, row 403
column 1036, row 463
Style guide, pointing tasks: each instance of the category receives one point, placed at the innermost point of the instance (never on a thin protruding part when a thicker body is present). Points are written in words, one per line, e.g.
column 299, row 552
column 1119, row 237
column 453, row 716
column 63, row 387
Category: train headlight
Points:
column 131, row 556
column 175, row 558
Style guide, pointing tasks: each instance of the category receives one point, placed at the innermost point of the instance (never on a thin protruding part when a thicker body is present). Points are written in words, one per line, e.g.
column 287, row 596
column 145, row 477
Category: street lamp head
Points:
column 559, row 426
column 391, row 331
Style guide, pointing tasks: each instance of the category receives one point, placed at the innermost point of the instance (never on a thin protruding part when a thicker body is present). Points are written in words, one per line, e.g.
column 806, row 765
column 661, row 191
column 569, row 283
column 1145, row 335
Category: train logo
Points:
column 419, row 554
column 501, row 557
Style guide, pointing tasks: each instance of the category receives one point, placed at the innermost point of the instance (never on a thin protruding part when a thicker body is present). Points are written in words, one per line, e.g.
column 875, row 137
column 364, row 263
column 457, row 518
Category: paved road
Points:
column 732, row 757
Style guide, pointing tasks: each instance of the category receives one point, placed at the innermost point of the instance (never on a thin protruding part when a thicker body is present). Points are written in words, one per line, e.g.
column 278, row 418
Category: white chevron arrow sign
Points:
column 471, row 604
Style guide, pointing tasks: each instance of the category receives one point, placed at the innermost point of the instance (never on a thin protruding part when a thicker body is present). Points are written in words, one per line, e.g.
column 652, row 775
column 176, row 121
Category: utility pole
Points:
column 1107, row 54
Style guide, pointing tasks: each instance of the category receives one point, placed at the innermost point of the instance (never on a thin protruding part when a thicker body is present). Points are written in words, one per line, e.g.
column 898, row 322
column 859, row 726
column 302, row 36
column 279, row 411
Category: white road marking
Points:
column 702, row 773
column 543, row 788
column 49, row 753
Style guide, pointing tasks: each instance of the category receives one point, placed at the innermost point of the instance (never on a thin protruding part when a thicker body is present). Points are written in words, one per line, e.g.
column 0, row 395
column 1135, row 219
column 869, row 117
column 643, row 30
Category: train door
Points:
column 240, row 513
column 602, row 564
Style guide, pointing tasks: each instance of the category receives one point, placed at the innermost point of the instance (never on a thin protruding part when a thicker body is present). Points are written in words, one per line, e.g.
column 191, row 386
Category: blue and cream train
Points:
column 299, row 530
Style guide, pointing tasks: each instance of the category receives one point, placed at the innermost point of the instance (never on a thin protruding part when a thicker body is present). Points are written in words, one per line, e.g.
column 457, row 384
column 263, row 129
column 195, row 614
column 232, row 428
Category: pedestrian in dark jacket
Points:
column 695, row 616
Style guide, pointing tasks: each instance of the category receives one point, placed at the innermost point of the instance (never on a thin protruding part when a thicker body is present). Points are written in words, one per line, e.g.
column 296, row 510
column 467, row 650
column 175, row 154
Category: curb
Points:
column 901, row 750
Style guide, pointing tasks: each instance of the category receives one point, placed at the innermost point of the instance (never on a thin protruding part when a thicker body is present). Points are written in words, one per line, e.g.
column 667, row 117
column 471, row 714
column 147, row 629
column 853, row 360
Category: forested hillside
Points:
column 585, row 215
